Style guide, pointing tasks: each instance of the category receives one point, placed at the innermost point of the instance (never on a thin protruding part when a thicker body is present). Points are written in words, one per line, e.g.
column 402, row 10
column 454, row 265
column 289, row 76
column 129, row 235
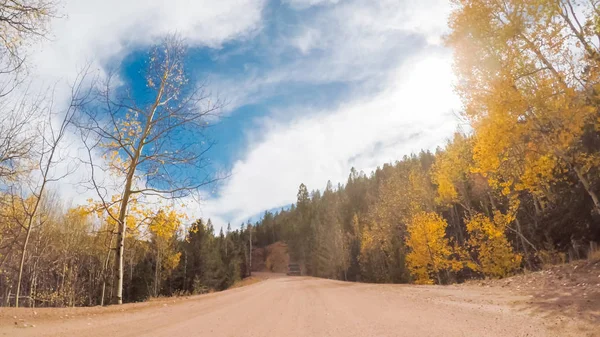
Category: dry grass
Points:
column 594, row 256
column 19, row 316
column 245, row 282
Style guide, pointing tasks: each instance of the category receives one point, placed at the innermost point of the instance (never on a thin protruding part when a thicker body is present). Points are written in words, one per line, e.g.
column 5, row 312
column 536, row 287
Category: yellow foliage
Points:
column 430, row 250
column 138, row 214
column 551, row 257
column 488, row 241
column 375, row 249
column 164, row 227
column 521, row 69
column 451, row 169
column 166, row 223
column 170, row 262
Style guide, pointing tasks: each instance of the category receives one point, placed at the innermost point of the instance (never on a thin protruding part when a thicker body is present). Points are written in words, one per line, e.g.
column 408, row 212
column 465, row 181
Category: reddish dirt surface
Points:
column 569, row 290
column 305, row 306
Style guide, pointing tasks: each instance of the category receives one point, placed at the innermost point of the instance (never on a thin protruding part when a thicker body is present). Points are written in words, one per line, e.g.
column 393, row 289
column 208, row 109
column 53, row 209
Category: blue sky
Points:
column 314, row 87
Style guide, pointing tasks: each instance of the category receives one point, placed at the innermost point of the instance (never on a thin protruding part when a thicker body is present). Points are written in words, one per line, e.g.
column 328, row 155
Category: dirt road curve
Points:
column 302, row 306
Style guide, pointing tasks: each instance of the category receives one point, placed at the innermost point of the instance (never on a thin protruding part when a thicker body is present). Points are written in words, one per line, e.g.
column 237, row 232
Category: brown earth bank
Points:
column 306, row 306
column 569, row 290
column 272, row 258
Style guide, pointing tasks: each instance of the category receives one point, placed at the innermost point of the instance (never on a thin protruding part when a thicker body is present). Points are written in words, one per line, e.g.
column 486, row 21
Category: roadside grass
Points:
column 24, row 317
column 245, row 282
column 594, row 256
column 237, row 284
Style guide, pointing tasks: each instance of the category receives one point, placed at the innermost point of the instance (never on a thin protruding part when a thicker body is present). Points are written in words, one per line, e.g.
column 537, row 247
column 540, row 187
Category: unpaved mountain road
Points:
column 304, row 306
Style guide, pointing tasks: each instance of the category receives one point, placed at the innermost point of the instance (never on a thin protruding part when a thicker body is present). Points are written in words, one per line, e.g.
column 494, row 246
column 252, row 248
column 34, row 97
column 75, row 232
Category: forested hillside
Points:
column 69, row 260
column 520, row 189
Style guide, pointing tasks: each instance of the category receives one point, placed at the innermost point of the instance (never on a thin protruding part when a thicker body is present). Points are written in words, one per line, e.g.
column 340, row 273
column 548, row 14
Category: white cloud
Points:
column 95, row 30
column 415, row 112
column 301, row 4
column 427, row 17
column 98, row 32
column 307, row 40
column 401, row 101
column 357, row 41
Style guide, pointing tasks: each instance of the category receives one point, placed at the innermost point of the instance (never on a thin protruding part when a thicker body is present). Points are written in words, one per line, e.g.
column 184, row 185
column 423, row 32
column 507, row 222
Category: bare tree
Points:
column 27, row 195
column 16, row 138
column 155, row 146
column 21, row 21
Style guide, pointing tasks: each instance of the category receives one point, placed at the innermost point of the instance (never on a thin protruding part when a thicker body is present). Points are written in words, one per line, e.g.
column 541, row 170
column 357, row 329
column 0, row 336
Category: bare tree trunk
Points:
column 494, row 208
column 131, row 269
column 586, row 184
column 72, row 276
column 185, row 270
column 118, row 299
column 104, row 269
column 157, row 273
column 90, row 284
column 112, row 283
column 250, row 259
column 118, row 295
column 246, row 259
column 31, row 281
column 103, row 292
column 537, row 205
column 456, row 221
column 44, row 168
column 32, row 287
column 8, row 297
column 62, row 281
column 525, row 250
column 120, row 249
column 435, row 268
column 23, row 252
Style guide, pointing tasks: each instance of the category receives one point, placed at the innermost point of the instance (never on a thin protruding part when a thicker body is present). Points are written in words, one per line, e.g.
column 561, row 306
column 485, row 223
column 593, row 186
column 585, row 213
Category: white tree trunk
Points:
column 250, row 259
column 586, row 184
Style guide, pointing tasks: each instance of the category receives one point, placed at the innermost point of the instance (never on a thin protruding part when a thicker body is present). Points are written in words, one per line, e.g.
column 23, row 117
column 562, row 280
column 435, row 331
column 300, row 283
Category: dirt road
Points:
column 303, row 306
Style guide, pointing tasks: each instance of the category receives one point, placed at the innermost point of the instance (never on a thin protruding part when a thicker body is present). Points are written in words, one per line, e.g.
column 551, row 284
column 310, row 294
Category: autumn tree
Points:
column 164, row 227
column 487, row 241
column 452, row 173
column 138, row 220
column 430, row 250
column 21, row 21
column 54, row 259
column 405, row 191
column 16, row 137
column 528, row 77
column 151, row 146
column 28, row 193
